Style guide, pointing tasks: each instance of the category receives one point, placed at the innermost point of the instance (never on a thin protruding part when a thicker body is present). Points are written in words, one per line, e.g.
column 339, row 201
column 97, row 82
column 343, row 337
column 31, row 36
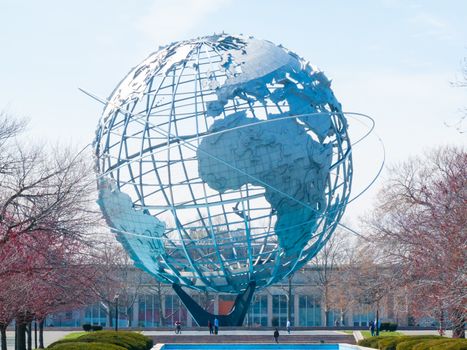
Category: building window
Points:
column 149, row 314
column 279, row 310
column 309, row 311
column 95, row 314
column 363, row 317
column 258, row 313
column 174, row 310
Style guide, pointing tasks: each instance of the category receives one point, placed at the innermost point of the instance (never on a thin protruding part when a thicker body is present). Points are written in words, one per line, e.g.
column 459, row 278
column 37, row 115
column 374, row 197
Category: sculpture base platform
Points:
column 233, row 319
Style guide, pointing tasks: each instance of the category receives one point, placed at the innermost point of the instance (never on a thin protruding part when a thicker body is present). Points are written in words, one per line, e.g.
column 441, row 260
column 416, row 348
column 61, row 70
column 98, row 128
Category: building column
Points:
column 82, row 314
column 269, row 310
column 216, row 304
column 189, row 319
column 135, row 311
column 296, row 310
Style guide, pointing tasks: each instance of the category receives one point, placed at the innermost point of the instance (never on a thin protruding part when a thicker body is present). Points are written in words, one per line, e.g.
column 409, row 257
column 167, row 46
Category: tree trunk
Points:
column 326, row 305
column 161, row 306
column 129, row 313
column 110, row 315
column 458, row 325
column 35, row 334
column 3, row 335
column 29, row 335
column 41, row 333
column 20, row 335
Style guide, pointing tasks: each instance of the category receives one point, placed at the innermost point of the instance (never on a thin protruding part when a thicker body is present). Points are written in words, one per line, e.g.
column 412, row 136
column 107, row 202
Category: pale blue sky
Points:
column 393, row 60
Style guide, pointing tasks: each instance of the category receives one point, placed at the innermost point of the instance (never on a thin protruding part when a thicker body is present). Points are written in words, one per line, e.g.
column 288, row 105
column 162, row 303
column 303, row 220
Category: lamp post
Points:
column 116, row 312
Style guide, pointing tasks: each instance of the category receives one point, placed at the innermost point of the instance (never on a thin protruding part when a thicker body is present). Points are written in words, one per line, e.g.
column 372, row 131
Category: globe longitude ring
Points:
column 223, row 160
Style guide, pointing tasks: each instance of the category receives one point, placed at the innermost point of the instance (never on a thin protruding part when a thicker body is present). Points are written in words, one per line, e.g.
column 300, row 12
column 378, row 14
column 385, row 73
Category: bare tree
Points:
column 421, row 227
column 161, row 291
column 119, row 280
column 46, row 196
column 326, row 263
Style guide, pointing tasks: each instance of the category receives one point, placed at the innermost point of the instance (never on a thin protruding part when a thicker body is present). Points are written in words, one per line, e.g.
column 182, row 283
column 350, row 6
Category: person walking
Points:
column 216, row 326
column 178, row 327
column 372, row 328
column 276, row 335
column 210, row 327
column 288, row 326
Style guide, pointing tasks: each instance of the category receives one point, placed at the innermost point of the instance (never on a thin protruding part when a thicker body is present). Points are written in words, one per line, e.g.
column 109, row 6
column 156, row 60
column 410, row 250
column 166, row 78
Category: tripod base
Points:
column 233, row 319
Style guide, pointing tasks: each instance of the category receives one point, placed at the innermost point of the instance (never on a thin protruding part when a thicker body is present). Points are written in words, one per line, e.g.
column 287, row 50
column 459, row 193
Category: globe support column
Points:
column 233, row 319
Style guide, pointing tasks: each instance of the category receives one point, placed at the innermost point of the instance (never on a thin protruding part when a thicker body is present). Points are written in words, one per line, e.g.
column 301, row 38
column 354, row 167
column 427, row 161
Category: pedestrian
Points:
column 336, row 323
column 276, row 335
column 210, row 327
column 178, row 327
column 288, row 326
column 372, row 328
column 216, row 326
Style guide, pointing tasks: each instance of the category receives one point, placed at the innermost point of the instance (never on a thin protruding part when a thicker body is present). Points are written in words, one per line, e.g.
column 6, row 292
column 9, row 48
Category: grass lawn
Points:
column 367, row 334
column 73, row 335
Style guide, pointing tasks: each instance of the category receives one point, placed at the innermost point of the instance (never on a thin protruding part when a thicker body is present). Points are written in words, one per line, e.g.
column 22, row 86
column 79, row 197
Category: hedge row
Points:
column 122, row 339
column 86, row 346
column 92, row 327
column 388, row 326
column 421, row 342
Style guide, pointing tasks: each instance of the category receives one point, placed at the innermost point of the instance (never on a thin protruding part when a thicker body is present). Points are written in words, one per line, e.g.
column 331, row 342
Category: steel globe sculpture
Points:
column 224, row 164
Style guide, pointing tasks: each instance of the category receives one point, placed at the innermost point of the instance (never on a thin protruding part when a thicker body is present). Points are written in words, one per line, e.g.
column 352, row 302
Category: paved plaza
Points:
column 248, row 335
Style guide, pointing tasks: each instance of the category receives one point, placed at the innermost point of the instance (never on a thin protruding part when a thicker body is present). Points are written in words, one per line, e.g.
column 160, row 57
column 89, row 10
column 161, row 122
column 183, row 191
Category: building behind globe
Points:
column 160, row 308
column 223, row 160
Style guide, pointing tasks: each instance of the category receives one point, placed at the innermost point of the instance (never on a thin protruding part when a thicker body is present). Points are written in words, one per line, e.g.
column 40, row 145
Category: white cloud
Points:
column 168, row 21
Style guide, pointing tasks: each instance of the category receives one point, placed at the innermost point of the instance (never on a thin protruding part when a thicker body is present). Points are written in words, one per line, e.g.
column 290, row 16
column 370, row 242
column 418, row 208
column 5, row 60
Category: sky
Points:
column 397, row 61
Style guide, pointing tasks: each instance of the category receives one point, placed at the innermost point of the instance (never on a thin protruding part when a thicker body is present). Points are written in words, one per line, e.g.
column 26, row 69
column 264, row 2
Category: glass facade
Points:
column 174, row 311
column 363, row 318
column 64, row 319
column 258, row 312
column 309, row 309
column 95, row 314
column 149, row 311
column 279, row 310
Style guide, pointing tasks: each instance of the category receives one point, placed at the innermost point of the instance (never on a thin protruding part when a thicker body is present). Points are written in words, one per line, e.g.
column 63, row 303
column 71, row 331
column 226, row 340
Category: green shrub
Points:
column 456, row 344
column 128, row 340
column 124, row 339
column 390, row 343
column 408, row 344
column 87, row 346
column 59, row 342
column 427, row 344
column 87, row 327
column 96, row 327
column 370, row 342
column 384, row 326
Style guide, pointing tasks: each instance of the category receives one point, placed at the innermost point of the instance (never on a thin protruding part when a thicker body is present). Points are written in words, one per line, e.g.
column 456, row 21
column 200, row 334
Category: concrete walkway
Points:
column 242, row 332
column 53, row 335
column 49, row 338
